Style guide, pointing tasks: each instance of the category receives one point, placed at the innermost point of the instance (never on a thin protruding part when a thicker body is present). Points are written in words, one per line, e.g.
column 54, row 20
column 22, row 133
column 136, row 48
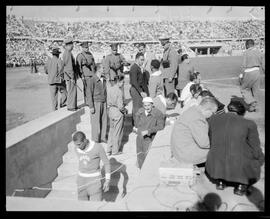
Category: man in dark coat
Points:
column 138, row 89
column 54, row 69
column 235, row 154
column 70, row 75
column 86, row 66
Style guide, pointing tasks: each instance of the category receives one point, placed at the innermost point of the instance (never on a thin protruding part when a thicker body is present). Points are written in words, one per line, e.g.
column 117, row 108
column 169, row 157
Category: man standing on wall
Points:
column 86, row 65
column 70, row 75
column 54, row 69
column 169, row 65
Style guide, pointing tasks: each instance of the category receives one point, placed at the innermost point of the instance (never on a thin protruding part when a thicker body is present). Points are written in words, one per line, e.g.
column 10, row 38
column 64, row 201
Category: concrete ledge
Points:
column 34, row 151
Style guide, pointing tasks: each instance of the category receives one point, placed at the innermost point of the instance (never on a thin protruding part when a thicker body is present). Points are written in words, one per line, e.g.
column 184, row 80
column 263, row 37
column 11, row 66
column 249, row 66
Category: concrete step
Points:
column 67, row 169
column 64, row 186
column 70, row 157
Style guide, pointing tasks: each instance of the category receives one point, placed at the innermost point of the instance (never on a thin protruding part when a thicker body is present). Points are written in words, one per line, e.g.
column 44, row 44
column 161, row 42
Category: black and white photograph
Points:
column 135, row 108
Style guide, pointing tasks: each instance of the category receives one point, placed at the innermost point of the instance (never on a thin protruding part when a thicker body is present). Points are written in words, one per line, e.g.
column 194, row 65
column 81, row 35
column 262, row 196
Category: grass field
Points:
column 28, row 97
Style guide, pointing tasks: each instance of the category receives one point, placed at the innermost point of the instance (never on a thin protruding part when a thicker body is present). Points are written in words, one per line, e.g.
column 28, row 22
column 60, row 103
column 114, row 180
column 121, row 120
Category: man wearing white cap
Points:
column 169, row 64
column 148, row 121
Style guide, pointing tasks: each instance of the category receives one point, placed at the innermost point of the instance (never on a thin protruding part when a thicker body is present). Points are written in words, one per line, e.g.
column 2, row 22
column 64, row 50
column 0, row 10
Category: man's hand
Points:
column 92, row 110
column 135, row 129
column 143, row 94
column 170, row 79
column 106, row 185
column 144, row 133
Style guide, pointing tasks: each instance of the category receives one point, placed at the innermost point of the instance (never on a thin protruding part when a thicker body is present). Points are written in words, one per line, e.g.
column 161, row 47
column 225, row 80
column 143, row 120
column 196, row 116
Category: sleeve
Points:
column 173, row 59
column 254, row 142
column 107, row 66
column 137, row 118
column 60, row 67
column 244, row 62
column 46, row 67
column 79, row 64
column 152, row 87
column 120, row 104
column 263, row 62
column 92, row 88
column 134, row 78
column 199, row 130
column 105, row 161
column 160, row 124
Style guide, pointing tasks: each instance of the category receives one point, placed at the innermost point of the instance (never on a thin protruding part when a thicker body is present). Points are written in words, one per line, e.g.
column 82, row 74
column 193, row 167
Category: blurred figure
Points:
column 54, row 69
column 235, row 155
column 250, row 78
column 184, row 71
column 210, row 202
column 165, row 103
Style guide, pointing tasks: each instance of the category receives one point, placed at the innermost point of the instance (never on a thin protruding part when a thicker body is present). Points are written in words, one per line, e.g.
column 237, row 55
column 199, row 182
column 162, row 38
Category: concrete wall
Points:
column 34, row 151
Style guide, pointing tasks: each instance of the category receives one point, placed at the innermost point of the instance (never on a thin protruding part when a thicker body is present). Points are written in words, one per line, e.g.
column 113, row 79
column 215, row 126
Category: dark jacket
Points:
column 54, row 69
column 136, row 79
column 235, row 154
column 86, row 64
column 69, row 65
column 153, row 122
column 98, row 91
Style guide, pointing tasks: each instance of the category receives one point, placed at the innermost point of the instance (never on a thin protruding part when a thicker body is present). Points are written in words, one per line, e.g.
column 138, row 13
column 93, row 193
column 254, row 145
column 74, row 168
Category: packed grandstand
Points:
column 26, row 37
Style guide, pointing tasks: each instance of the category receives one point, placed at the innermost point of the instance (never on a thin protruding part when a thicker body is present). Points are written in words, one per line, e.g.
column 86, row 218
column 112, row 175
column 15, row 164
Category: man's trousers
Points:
column 71, row 94
column 99, row 122
column 54, row 88
column 250, row 86
column 89, row 188
column 115, row 134
column 136, row 102
column 86, row 89
column 143, row 144
column 169, row 86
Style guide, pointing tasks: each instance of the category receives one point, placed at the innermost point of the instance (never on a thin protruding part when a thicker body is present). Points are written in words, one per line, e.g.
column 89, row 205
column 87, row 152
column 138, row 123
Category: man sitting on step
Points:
column 89, row 175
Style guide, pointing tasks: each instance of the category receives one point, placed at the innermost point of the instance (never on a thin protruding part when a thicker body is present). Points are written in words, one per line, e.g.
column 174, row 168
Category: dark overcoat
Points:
column 235, row 154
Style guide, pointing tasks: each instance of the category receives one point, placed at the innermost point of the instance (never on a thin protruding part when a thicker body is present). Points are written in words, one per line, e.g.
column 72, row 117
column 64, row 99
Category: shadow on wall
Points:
column 120, row 169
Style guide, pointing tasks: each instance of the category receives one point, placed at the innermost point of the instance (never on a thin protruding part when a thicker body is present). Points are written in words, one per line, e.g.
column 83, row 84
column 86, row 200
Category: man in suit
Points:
column 86, row 65
column 169, row 64
column 148, row 57
column 70, row 74
column 138, row 90
column 54, row 69
column 250, row 78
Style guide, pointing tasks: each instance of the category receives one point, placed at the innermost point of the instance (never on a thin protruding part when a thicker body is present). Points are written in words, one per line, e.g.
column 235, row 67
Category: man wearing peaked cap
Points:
column 86, row 66
column 70, row 74
column 54, row 69
column 148, row 121
column 169, row 64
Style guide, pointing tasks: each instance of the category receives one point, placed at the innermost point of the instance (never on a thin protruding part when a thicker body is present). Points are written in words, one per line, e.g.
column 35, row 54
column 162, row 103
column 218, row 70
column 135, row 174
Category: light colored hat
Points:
column 147, row 100
column 68, row 40
column 164, row 37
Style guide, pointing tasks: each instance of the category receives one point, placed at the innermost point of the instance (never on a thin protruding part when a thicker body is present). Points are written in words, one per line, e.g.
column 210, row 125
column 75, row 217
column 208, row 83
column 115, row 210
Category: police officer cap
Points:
column 164, row 37
column 84, row 44
column 68, row 40
column 147, row 100
column 114, row 46
column 56, row 51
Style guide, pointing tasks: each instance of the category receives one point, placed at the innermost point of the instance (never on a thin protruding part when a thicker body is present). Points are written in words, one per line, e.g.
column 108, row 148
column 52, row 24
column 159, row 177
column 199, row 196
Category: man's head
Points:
column 114, row 48
column 171, row 100
column 142, row 48
column 120, row 80
column 208, row 106
column 68, row 42
column 164, row 40
column 56, row 51
column 85, row 46
column 139, row 58
column 79, row 139
column 195, row 77
column 179, row 51
column 249, row 43
column 155, row 64
column 185, row 58
column 148, row 104
column 195, row 90
column 237, row 106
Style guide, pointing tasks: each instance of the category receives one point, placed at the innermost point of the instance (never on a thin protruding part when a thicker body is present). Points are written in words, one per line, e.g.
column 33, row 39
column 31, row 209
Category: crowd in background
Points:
column 19, row 51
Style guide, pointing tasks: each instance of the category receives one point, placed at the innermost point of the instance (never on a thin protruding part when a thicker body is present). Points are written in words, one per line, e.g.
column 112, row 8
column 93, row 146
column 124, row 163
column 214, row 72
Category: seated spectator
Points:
column 165, row 103
column 195, row 99
column 235, row 155
column 189, row 138
column 186, row 95
column 156, row 80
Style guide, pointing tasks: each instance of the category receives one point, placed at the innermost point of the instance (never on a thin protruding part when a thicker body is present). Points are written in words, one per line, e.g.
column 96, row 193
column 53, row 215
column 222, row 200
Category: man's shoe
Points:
column 240, row 190
column 220, row 185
